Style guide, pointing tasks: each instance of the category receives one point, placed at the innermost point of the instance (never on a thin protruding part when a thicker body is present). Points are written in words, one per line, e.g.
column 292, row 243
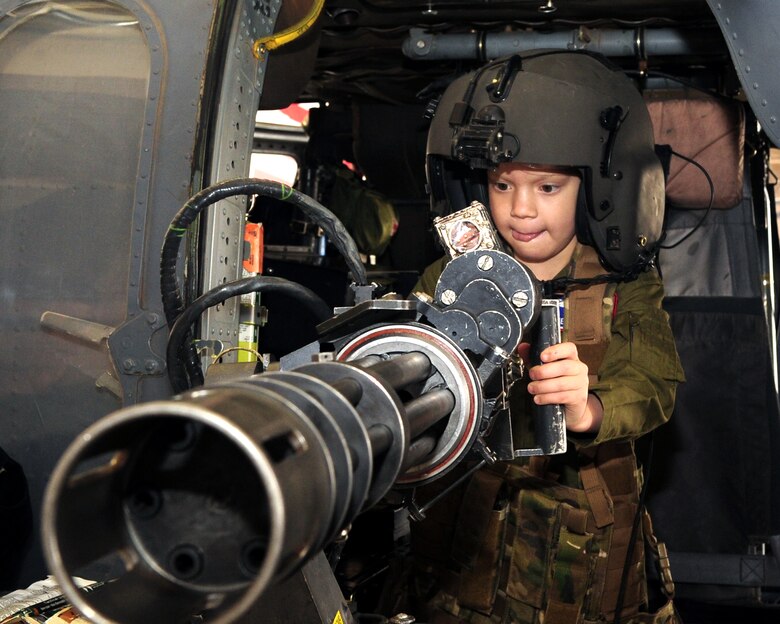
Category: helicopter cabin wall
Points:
column 114, row 113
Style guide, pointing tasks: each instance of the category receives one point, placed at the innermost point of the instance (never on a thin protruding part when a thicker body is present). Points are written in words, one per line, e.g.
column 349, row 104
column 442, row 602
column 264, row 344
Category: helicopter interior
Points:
column 101, row 150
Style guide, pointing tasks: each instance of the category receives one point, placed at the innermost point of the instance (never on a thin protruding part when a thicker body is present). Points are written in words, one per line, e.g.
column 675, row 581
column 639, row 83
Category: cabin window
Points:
column 280, row 136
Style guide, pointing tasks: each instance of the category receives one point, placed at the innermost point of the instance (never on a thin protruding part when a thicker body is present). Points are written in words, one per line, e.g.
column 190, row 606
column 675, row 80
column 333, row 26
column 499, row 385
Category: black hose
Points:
column 323, row 217
column 185, row 374
column 172, row 298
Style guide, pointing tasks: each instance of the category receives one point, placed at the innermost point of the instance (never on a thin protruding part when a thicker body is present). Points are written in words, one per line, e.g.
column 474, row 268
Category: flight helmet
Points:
column 569, row 109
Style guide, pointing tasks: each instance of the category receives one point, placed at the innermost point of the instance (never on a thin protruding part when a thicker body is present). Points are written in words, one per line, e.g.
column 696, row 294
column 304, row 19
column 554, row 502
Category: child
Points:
column 560, row 147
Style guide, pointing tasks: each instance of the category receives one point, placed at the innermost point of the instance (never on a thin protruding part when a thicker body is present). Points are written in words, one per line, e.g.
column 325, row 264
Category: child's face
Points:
column 533, row 209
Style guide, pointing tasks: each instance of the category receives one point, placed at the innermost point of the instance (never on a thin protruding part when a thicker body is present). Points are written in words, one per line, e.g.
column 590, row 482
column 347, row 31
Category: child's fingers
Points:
column 557, row 398
column 557, row 384
column 561, row 351
column 559, row 368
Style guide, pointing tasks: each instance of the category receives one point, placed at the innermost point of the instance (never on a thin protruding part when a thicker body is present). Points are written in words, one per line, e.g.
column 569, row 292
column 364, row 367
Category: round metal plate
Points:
column 507, row 274
column 335, row 442
column 453, row 371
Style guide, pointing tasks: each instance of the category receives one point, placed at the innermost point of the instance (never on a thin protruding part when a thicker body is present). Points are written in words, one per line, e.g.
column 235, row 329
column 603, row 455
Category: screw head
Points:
column 448, row 297
column 520, row 299
column 485, row 263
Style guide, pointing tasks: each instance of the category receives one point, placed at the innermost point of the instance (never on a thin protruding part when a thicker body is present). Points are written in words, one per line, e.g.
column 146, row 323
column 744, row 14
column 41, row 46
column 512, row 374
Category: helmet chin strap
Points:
column 560, row 286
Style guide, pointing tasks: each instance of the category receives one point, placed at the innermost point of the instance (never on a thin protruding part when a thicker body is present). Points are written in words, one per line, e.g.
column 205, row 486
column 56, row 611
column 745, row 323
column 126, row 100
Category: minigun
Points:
column 216, row 503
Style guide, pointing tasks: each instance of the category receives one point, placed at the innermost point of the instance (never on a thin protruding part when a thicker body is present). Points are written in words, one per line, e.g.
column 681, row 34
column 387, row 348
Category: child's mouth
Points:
column 524, row 237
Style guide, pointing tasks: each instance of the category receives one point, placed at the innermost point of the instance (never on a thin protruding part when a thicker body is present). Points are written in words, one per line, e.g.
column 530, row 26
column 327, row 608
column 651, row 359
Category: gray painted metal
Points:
column 751, row 29
column 91, row 174
column 636, row 42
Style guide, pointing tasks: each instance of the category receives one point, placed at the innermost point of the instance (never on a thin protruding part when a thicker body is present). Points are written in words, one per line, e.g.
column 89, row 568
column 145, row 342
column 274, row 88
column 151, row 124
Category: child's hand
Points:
column 562, row 378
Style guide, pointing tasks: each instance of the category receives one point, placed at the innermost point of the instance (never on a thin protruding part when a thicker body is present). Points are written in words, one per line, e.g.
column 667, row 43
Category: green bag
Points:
column 368, row 216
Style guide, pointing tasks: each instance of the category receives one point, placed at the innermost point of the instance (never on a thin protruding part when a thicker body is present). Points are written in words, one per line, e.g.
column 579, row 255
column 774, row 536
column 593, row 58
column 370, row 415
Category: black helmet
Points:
column 564, row 109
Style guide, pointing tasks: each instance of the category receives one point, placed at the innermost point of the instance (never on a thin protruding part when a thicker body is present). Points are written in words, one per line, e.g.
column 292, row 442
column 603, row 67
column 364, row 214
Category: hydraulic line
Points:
column 324, row 218
column 626, row 42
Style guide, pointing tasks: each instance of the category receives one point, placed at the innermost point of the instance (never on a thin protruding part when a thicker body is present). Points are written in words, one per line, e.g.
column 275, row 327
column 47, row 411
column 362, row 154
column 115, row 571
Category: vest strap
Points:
column 587, row 323
column 660, row 554
column 596, row 489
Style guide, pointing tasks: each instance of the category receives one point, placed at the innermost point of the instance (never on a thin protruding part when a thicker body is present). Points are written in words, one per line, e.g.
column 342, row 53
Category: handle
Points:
column 549, row 420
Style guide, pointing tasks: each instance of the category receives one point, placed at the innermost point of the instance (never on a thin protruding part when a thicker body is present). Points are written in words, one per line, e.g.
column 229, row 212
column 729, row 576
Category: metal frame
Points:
column 223, row 231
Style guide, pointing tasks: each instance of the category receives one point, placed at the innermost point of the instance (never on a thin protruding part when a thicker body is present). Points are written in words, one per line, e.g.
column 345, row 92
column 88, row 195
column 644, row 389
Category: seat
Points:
column 714, row 483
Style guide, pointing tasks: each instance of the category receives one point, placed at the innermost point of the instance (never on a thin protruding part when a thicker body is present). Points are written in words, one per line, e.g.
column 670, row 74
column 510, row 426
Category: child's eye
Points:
column 549, row 188
column 500, row 186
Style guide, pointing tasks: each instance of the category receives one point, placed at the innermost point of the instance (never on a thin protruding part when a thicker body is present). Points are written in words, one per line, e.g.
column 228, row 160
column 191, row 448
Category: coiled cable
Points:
column 170, row 290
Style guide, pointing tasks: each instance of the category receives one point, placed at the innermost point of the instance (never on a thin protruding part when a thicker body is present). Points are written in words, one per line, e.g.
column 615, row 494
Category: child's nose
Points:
column 523, row 206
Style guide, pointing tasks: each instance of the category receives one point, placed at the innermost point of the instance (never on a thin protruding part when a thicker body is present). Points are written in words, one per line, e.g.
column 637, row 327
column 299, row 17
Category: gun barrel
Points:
column 201, row 503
